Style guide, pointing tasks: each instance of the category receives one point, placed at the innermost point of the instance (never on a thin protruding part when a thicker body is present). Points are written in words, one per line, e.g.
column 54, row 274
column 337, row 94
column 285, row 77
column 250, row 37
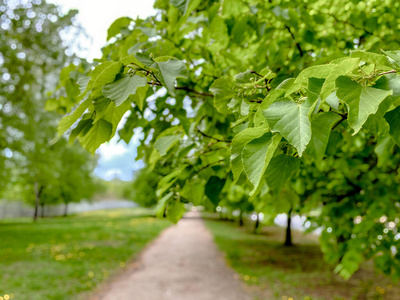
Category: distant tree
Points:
column 32, row 54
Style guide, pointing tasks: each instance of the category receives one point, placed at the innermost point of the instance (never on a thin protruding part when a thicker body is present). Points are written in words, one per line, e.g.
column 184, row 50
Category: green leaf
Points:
column 279, row 170
column 169, row 71
column 219, row 32
column 395, row 57
column 343, row 68
column 361, row 101
column 393, row 118
column 140, row 96
column 321, row 128
column 223, row 90
column 119, row 90
column 185, row 6
column 238, row 143
column 193, row 191
column 384, row 150
column 117, row 25
column 107, row 75
column 164, row 143
column 256, row 156
column 162, row 203
column 69, row 120
column 213, row 188
column 333, row 101
column 291, row 121
column 320, row 71
column 100, row 133
column 369, row 57
column 175, row 211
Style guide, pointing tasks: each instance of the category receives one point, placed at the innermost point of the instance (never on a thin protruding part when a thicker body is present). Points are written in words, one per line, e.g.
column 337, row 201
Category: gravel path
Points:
column 182, row 263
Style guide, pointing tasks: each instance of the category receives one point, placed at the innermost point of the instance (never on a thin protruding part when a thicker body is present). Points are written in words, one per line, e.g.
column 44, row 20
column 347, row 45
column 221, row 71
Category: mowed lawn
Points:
column 273, row 271
column 65, row 258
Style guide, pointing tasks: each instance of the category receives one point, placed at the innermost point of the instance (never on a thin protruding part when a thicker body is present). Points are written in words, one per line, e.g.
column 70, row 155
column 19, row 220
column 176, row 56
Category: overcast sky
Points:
column 116, row 159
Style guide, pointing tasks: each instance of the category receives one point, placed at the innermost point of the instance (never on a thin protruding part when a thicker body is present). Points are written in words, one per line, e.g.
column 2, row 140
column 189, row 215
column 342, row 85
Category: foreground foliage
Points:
column 59, row 258
column 271, row 106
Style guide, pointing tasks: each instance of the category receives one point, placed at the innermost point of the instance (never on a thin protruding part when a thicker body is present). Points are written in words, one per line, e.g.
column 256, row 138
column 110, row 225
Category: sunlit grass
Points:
column 60, row 258
column 273, row 271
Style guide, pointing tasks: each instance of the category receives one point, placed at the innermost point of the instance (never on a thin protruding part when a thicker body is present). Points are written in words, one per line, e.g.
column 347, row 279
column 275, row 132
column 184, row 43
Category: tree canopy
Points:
column 32, row 54
column 286, row 105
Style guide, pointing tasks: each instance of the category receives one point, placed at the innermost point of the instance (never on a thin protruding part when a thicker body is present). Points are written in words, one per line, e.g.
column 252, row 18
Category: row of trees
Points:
column 274, row 106
column 32, row 54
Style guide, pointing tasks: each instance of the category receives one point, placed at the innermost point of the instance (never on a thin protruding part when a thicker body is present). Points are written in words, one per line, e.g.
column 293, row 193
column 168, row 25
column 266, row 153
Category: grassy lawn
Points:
column 60, row 258
column 273, row 271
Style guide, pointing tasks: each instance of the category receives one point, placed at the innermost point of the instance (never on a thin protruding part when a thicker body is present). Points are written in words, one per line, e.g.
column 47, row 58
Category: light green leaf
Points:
column 321, row 128
column 361, row 101
column 107, row 75
column 238, row 143
column 69, row 120
column 185, row 6
column 219, row 32
column 193, row 191
column 164, row 143
column 223, row 90
column 140, row 96
column 393, row 118
column 384, row 150
column 343, row 68
column 100, row 133
column 119, row 90
column 369, row 57
column 256, row 156
column 169, row 71
column 291, row 121
column 175, row 211
column 162, row 203
column 333, row 101
column 117, row 25
column 320, row 71
column 279, row 170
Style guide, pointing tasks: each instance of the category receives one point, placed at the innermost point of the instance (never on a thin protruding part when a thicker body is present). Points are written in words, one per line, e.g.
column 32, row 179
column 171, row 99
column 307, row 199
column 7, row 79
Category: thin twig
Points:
column 210, row 164
column 183, row 88
column 211, row 137
column 294, row 39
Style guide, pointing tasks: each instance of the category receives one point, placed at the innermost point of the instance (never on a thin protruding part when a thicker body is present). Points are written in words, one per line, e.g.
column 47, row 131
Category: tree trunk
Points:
column 288, row 239
column 37, row 198
column 42, row 210
column 257, row 224
column 241, row 223
column 66, row 209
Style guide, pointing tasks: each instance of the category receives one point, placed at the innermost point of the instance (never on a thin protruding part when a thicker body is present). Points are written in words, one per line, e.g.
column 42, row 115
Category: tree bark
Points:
column 66, row 209
column 288, row 239
column 42, row 210
column 257, row 224
column 38, row 191
column 241, row 223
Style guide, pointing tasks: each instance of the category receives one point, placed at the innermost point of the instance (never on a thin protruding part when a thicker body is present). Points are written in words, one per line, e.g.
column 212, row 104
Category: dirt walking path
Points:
column 183, row 263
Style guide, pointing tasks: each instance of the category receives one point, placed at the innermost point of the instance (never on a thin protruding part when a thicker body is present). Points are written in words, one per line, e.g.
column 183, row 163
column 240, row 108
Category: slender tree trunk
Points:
column 288, row 239
column 42, row 210
column 66, row 209
column 241, row 223
column 37, row 196
column 257, row 224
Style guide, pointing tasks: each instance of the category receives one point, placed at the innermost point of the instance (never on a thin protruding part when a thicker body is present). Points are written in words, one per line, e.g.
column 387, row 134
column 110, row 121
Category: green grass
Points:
column 273, row 271
column 63, row 258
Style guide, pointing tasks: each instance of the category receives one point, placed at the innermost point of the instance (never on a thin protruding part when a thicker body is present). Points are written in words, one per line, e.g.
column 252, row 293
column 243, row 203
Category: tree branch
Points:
column 294, row 39
column 211, row 137
column 184, row 88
